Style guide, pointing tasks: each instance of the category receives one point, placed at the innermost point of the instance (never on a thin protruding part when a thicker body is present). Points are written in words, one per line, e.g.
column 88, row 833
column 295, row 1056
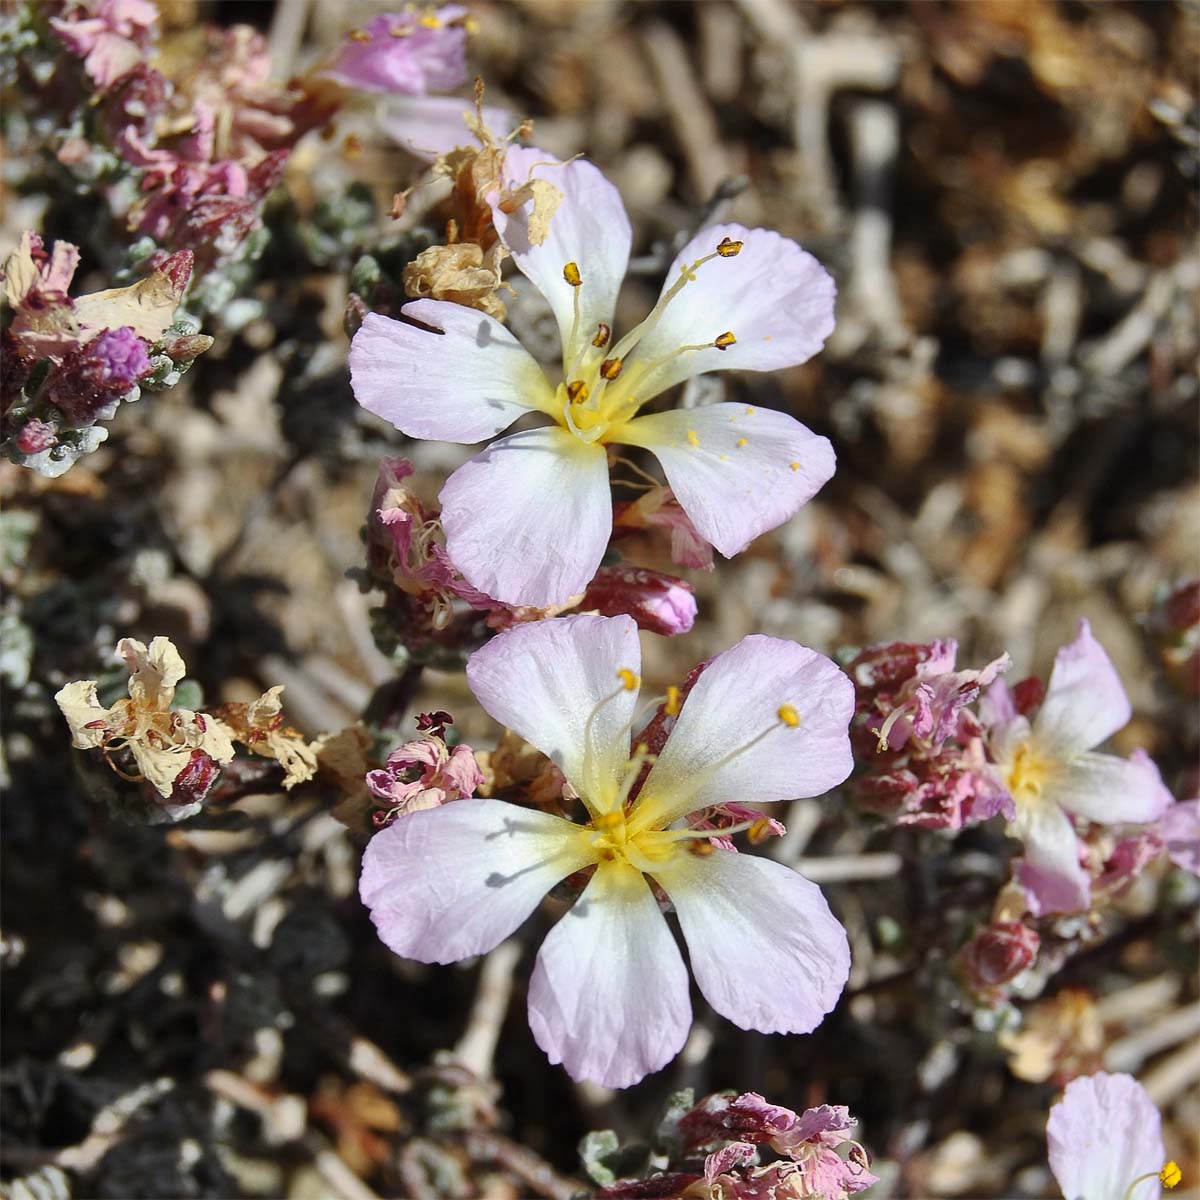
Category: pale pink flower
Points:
column 410, row 53
column 111, row 36
column 1104, row 1139
column 745, row 299
column 1053, row 774
column 609, row 994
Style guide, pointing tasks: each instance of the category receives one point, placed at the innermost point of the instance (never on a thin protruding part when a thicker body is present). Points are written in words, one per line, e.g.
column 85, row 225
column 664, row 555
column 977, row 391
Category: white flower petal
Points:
column 765, row 949
column 1085, row 702
column 451, row 882
column 555, row 683
column 527, row 521
column 737, row 471
column 590, row 228
column 464, row 384
column 735, row 703
column 1051, row 871
column 1102, row 1135
column 775, row 298
column 609, row 994
column 1110, row 790
column 427, row 126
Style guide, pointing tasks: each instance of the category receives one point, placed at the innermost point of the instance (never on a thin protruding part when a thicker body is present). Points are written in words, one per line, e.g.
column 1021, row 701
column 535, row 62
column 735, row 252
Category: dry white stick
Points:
column 108, row 1125
column 1128, row 1053
column 688, row 107
column 287, row 32
column 849, row 868
column 1174, row 1075
column 477, row 1046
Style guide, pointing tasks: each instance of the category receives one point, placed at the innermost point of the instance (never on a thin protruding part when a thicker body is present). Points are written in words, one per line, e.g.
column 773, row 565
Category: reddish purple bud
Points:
column 36, row 436
column 1182, row 607
column 178, row 269
column 658, row 603
column 186, row 346
column 998, row 954
column 1027, row 696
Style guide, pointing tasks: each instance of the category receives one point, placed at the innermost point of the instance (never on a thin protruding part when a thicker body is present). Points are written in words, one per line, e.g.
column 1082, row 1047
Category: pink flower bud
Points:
column 657, row 602
column 999, row 953
column 36, row 436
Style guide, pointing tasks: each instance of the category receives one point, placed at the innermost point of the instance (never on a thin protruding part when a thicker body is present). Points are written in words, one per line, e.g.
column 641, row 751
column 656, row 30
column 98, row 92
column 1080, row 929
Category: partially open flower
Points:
column 423, row 774
column 609, row 994
column 1053, row 775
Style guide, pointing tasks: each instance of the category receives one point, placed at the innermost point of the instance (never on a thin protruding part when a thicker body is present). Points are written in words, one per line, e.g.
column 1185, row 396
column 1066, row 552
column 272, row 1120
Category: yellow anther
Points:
column 577, row 390
column 728, row 247
column 672, row 704
column 693, row 440
column 429, row 21
column 630, row 680
column 400, row 31
column 610, row 368
column 571, row 274
column 788, row 715
column 725, row 341
column 1170, row 1175
column 359, row 35
column 603, row 333
column 352, row 145
column 794, row 465
column 759, row 831
column 749, row 412
column 607, row 822
column 700, row 847
column 741, row 441
column 470, row 25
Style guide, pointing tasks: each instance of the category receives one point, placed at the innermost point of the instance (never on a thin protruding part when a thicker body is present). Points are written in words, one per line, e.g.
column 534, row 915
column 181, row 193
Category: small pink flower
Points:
column 410, row 53
column 1052, row 773
column 738, row 298
column 1104, row 1139
column 111, row 36
column 658, row 603
column 609, row 994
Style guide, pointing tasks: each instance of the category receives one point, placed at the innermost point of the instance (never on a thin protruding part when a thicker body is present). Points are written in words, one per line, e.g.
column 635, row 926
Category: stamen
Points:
column 741, row 442
column 400, row 31
column 727, row 247
column 687, row 835
column 630, row 680
column 788, row 715
column 359, row 35
column 794, row 465
column 429, row 21
column 603, row 333
column 724, row 341
column 1170, row 1176
column 610, row 368
column 672, row 705
column 572, row 276
column 577, row 390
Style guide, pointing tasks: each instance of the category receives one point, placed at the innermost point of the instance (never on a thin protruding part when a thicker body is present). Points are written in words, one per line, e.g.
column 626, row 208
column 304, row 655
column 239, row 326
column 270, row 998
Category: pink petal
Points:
column 736, row 471
column 775, row 298
column 1101, row 1136
column 1111, row 790
column 589, row 228
column 528, row 520
column 555, row 683
column 765, row 949
column 427, row 126
column 609, row 995
column 1085, row 702
column 1181, row 832
column 462, row 385
column 1051, row 871
column 451, row 882
column 735, row 703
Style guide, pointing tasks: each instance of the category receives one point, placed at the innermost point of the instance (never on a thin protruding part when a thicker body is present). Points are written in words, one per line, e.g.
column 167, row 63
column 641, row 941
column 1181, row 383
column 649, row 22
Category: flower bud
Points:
column 657, row 602
column 998, row 954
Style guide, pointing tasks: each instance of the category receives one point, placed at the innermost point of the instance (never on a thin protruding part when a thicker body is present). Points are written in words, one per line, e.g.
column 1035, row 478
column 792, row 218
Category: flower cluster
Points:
column 714, row 1151
column 175, row 753
column 920, row 742
column 69, row 362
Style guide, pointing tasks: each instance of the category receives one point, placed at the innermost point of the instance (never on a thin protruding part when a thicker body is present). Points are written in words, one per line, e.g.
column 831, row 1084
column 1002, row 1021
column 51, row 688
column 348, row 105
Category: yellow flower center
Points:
column 1028, row 772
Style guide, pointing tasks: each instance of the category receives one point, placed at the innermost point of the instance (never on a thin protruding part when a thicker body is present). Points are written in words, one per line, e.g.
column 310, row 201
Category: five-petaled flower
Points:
column 528, row 520
column 608, row 998
column 1050, row 770
column 1105, row 1141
